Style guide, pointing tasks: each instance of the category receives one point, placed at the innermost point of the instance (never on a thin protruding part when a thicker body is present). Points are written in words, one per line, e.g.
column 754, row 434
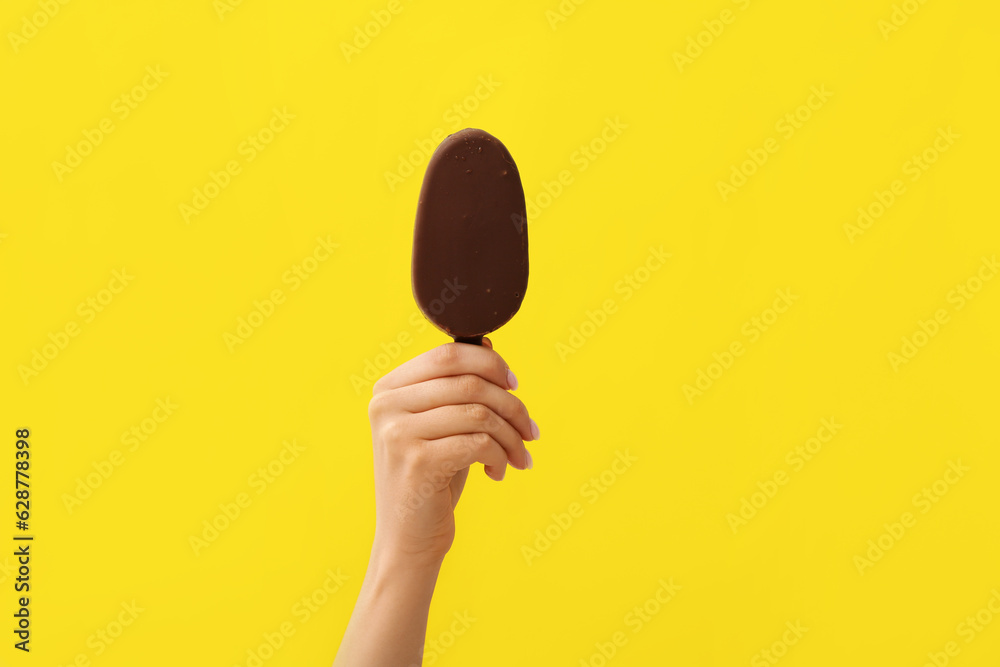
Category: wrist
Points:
column 391, row 560
column 402, row 581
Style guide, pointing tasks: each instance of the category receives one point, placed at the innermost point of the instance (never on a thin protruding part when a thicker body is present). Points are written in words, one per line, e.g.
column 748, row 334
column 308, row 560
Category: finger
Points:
column 487, row 342
column 450, row 359
column 461, row 451
column 463, row 389
column 471, row 418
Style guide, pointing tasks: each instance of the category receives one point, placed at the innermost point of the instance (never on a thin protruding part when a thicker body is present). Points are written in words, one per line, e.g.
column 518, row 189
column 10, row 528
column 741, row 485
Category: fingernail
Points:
column 535, row 433
column 511, row 380
column 530, row 463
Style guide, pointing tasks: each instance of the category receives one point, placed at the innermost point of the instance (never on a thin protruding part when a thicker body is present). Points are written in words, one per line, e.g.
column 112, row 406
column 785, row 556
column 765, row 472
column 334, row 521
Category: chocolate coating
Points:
column 470, row 241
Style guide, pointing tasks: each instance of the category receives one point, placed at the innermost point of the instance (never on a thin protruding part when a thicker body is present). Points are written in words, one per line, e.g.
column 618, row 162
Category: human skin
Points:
column 431, row 418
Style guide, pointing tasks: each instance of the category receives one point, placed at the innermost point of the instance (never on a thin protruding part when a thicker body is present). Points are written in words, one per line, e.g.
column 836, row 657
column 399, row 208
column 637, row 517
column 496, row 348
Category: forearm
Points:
column 389, row 622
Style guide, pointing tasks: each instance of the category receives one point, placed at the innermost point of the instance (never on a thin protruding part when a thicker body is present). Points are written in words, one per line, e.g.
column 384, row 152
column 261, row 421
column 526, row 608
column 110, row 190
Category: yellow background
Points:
column 556, row 85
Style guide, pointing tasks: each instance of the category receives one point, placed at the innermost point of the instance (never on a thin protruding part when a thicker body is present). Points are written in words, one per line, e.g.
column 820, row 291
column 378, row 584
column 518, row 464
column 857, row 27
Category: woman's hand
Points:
column 431, row 419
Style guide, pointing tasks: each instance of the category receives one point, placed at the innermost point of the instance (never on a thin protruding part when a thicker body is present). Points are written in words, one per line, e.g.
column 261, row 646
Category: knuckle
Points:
column 480, row 441
column 478, row 446
column 446, row 355
column 393, row 431
column 479, row 413
column 380, row 384
column 376, row 406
